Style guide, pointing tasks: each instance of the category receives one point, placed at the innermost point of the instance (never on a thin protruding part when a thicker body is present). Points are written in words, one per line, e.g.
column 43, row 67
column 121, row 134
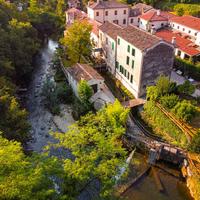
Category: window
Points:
column 183, row 29
column 118, row 41
column 131, row 21
column 113, row 45
column 162, row 24
column 141, row 23
column 115, row 21
column 189, row 31
column 195, row 34
column 120, row 68
column 117, row 65
column 124, row 72
column 115, row 12
column 128, row 76
column 106, row 40
column 97, row 13
column 133, row 52
column 177, row 27
column 173, row 25
column 124, row 11
column 124, row 21
column 131, row 79
column 128, row 48
column 106, row 13
column 132, row 64
column 127, row 60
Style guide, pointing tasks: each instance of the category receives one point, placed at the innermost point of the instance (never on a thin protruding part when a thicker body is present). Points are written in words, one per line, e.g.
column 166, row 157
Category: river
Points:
column 42, row 122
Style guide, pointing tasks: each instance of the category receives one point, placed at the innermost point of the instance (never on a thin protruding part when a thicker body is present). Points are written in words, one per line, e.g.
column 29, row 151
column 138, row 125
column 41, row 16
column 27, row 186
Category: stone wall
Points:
column 157, row 61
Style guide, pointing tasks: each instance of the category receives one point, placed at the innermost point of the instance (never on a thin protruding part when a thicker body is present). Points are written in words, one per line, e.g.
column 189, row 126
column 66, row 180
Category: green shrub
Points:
column 184, row 110
column 195, row 144
column 169, row 101
column 190, row 69
column 186, row 88
column 162, row 125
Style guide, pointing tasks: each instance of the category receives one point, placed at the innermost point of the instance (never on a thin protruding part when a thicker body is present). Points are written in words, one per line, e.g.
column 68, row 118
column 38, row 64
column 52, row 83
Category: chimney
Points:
column 158, row 12
column 174, row 40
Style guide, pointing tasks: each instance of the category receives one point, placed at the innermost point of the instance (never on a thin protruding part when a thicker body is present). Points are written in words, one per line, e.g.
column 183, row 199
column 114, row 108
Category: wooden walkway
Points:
column 133, row 103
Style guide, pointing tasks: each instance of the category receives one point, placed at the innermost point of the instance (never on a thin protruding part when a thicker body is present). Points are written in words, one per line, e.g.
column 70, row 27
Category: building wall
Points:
column 184, row 29
column 157, row 60
column 108, row 45
column 145, row 25
column 133, row 21
column 111, row 17
column 197, row 42
column 131, row 70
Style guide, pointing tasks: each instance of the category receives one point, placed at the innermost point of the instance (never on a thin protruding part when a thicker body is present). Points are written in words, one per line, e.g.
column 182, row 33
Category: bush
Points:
column 184, row 110
column 64, row 92
column 169, row 101
column 195, row 144
column 162, row 125
column 186, row 88
column 188, row 68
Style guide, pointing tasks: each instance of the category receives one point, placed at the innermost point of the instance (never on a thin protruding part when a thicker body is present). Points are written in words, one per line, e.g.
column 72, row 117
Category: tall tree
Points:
column 77, row 40
column 95, row 142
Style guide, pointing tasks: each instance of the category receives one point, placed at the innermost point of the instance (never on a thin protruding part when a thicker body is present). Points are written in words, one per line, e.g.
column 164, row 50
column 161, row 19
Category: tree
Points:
column 180, row 12
column 186, row 88
column 95, row 142
column 84, row 91
column 13, row 121
column 195, row 144
column 26, row 177
column 77, row 40
column 169, row 101
column 163, row 85
column 152, row 93
column 184, row 110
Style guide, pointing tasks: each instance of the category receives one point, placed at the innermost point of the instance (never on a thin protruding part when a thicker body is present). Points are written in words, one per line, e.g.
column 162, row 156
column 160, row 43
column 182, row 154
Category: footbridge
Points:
column 133, row 103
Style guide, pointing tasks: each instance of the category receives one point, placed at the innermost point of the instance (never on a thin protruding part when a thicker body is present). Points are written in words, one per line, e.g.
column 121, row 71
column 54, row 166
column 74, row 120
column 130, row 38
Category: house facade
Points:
column 134, row 56
column 111, row 11
column 79, row 72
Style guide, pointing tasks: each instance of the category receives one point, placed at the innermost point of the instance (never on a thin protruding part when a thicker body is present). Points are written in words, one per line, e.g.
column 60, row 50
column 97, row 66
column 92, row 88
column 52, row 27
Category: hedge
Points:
column 188, row 68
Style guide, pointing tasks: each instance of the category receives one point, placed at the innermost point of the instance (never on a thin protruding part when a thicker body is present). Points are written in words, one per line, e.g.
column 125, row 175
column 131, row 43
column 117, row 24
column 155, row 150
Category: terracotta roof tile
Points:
column 107, row 5
column 189, row 21
column 182, row 43
column 111, row 29
column 139, row 38
column 83, row 72
column 153, row 16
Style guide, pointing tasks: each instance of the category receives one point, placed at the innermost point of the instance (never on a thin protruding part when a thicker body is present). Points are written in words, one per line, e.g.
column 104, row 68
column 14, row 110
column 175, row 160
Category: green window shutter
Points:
column 113, row 46
column 128, row 76
column 131, row 78
column 133, row 52
column 124, row 72
column 120, row 68
column 118, row 41
column 127, row 60
column 117, row 65
column 128, row 49
column 133, row 64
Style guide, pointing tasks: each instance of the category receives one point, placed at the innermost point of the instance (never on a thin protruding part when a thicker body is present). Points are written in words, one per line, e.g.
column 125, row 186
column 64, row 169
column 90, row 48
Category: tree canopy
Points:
column 77, row 40
column 97, row 149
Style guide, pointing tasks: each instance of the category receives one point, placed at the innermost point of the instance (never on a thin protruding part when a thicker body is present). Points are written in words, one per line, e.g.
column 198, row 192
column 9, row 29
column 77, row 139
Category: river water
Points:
column 43, row 122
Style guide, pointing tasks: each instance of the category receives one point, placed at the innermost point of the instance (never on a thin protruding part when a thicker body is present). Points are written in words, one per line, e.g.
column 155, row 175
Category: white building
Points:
column 79, row 72
column 188, row 25
column 138, row 57
column 154, row 20
column 111, row 11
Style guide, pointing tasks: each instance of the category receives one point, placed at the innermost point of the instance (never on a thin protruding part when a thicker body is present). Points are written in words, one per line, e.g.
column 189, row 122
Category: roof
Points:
column 139, row 38
column 139, row 9
column 182, row 42
column 106, row 4
column 78, row 14
column 189, row 21
column 95, row 26
column 111, row 29
column 83, row 72
column 157, row 15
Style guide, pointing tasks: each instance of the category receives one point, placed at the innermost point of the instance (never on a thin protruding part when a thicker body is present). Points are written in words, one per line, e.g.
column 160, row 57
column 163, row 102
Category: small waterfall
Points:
column 123, row 169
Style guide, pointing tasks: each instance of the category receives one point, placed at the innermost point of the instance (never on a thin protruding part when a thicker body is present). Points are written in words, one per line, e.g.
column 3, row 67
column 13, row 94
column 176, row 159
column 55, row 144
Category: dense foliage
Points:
column 162, row 125
column 95, row 142
column 77, row 41
column 26, row 178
